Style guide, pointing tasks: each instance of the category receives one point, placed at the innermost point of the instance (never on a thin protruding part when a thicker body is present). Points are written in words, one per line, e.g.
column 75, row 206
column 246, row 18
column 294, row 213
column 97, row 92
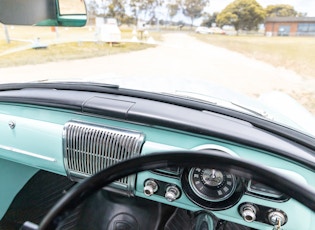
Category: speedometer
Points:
column 212, row 184
column 211, row 188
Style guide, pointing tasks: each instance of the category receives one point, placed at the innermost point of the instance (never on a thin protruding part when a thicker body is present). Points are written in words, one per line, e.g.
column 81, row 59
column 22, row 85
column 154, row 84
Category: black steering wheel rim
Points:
column 302, row 193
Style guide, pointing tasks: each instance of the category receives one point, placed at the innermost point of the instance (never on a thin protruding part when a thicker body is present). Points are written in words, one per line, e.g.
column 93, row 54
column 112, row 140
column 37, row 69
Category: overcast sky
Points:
column 307, row 6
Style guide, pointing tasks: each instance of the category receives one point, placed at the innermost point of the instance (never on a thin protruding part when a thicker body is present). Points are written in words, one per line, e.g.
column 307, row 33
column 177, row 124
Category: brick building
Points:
column 290, row 26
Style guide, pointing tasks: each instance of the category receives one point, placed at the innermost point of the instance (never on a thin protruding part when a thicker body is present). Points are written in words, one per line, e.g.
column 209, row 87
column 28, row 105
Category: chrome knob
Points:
column 248, row 212
column 276, row 218
column 12, row 124
column 172, row 193
column 150, row 187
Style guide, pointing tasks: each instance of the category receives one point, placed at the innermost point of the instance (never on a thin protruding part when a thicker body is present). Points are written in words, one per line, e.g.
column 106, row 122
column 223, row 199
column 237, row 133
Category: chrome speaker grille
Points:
column 89, row 148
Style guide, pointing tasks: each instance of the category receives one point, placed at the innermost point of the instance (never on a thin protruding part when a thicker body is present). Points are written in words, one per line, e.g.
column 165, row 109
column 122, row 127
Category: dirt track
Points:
column 177, row 59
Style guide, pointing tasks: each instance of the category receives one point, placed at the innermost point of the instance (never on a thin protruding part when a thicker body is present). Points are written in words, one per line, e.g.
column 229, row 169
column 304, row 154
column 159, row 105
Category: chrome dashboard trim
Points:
column 216, row 147
column 20, row 151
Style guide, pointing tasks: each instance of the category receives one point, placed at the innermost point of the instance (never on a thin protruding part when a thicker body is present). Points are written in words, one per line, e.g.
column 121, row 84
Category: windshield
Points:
column 256, row 57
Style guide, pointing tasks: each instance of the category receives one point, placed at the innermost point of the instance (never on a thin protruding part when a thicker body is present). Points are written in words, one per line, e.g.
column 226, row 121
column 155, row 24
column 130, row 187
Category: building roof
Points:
column 290, row 19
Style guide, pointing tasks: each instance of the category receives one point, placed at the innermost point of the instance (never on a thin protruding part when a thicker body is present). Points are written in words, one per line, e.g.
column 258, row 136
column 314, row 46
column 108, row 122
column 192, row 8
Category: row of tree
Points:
column 128, row 11
column 242, row 14
column 248, row 14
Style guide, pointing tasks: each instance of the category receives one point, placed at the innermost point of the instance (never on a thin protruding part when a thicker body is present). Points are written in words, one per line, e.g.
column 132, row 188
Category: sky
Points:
column 303, row 6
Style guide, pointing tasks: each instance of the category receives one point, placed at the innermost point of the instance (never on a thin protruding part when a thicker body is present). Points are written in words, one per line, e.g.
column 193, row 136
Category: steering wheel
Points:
column 236, row 166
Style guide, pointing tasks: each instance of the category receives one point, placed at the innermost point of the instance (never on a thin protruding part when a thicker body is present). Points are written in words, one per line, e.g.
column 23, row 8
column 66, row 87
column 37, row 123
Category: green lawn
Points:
column 67, row 51
column 64, row 44
column 295, row 53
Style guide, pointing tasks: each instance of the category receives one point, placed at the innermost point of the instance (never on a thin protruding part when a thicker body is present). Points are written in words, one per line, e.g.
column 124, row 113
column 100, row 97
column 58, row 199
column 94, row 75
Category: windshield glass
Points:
column 253, row 56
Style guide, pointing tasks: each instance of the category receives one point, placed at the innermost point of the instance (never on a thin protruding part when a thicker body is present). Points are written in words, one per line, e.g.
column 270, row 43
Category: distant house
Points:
column 290, row 26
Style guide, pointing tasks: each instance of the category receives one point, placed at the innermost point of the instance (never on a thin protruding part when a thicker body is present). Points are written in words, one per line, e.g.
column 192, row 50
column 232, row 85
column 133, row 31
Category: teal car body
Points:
column 57, row 135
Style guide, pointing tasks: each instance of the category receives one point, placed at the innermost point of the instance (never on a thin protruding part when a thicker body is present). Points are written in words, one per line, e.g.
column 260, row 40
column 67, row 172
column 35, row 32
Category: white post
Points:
column 6, row 33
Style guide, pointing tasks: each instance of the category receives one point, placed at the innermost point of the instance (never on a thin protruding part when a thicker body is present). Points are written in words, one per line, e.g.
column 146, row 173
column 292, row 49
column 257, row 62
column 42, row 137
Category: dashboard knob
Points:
column 248, row 212
column 150, row 187
column 277, row 218
column 172, row 193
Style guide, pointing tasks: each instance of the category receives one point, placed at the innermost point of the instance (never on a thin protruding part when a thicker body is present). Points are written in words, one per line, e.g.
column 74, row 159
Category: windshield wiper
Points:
column 84, row 86
column 222, row 103
column 255, row 111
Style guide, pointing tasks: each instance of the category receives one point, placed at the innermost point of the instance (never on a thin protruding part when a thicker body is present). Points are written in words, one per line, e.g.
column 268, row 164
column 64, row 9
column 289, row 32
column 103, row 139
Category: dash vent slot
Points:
column 89, row 148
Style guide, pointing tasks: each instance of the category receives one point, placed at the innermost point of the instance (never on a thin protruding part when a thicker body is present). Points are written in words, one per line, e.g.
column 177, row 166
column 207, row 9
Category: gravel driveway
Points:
column 172, row 64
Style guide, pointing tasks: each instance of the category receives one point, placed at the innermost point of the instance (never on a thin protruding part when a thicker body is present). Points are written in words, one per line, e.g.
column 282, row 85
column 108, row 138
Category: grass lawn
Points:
column 64, row 44
column 67, row 51
column 295, row 53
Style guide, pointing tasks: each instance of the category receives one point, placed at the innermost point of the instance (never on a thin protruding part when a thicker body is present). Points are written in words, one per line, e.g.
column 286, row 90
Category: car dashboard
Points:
column 75, row 134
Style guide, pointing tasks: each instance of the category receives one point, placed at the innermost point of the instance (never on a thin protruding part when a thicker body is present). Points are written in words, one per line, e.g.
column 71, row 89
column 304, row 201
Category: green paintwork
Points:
column 48, row 22
column 67, row 21
column 299, row 212
column 13, row 177
column 32, row 142
column 72, row 20
column 39, row 130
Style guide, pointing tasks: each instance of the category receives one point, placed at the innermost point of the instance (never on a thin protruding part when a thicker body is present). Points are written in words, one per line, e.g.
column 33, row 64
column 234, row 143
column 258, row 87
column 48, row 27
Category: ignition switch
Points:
column 277, row 219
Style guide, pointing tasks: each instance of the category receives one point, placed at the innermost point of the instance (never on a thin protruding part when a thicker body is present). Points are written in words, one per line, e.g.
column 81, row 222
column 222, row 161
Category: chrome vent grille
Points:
column 89, row 148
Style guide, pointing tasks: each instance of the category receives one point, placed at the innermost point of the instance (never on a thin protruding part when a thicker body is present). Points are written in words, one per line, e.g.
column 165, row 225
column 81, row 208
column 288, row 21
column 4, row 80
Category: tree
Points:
column 194, row 8
column 115, row 9
column 280, row 10
column 92, row 7
column 145, row 7
column 301, row 14
column 209, row 19
column 109, row 8
column 128, row 19
column 173, row 9
column 242, row 14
